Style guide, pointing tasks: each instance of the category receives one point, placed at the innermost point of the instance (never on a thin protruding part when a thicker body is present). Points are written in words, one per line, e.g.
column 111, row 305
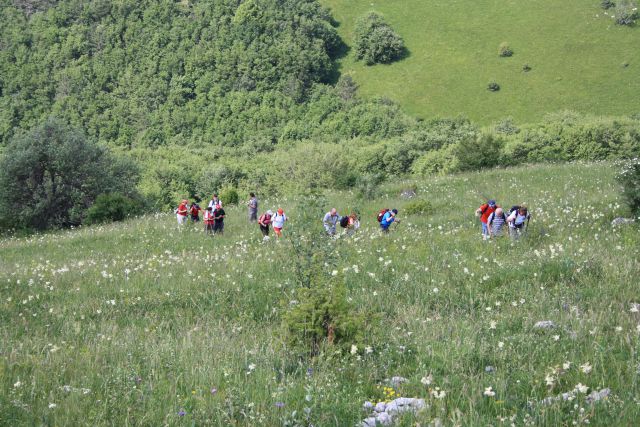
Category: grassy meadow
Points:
column 143, row 323
column 576, row 52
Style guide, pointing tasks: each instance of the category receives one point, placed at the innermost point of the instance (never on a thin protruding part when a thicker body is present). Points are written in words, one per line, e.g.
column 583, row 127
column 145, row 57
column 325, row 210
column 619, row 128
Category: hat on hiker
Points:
column 269, row 212
column 491, row 203
column 395, row 211
column 280, row 211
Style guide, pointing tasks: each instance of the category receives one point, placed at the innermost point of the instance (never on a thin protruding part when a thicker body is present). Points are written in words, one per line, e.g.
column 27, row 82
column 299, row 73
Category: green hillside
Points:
column 576, row 53
column 142, row 323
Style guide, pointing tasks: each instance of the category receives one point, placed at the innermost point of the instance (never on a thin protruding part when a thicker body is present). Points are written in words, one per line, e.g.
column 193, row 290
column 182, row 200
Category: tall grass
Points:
column 143, row 323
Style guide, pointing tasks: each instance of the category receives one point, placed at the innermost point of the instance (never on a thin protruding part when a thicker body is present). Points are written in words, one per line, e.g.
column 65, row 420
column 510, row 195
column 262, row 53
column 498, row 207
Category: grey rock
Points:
column 396, row 381
column 368, row 406
column 598, row 395
column 544, row 324
column 489, row 369
column 408, row 194
column 621, row 221
column 380, row 407
column 392, row 407
column 369, row 422
column 385, row 419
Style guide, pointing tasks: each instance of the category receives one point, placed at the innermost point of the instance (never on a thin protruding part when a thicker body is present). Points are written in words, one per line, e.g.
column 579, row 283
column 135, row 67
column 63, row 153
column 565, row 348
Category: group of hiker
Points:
column 494, row 220
column 214, row 216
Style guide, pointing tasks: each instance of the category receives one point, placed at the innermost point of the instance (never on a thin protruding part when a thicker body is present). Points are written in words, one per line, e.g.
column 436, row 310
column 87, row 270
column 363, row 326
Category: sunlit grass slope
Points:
column 144, row 324
column 576, row 52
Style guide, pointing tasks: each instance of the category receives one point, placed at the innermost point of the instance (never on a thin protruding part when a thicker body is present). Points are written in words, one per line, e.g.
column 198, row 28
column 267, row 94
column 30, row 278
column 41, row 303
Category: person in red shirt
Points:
column 195, row 212
column 483, row 212
column 207, row 217
column 182, row 212
column 265, row 221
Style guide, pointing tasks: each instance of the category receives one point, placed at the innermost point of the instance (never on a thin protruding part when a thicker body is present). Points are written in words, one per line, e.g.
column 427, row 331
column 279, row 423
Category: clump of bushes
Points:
column 493, row 86
column 111, row 207
column 229, row 196
column 420, row 207
column 504, row 50
column 629, row 177
column 376, row 42
column 526, row 68
column 607, row 4
column 506, row 126
column 626, row 12
column 52, row 174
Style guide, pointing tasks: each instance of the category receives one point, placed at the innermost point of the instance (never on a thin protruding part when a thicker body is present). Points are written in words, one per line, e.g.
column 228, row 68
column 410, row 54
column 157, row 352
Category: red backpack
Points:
column 381, row 214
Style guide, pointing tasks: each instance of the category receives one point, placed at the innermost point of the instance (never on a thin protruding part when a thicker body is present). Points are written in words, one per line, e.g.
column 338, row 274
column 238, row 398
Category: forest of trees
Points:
column 210, row 94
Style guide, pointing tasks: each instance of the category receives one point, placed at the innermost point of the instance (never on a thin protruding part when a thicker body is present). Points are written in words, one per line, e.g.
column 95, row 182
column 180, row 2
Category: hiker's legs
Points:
column 485, row 231
column 264, row 230
column 182, row 219
column 278, row 231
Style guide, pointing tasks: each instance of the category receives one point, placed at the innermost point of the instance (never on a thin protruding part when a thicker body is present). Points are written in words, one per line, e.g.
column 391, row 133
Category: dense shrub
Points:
column 481, row 152
column 111, row 207
column 629, row 177
column 320, row 315
column 493, row 86
column 418, row 207
column 504, row 50
column 51, row 175
column 626, row 12
column 506, row 126
column 526, row 68
column 436, row 162
column 375, row 40
column 229, row 196
column 569, row 136
column 607, row 4
column 368, row 185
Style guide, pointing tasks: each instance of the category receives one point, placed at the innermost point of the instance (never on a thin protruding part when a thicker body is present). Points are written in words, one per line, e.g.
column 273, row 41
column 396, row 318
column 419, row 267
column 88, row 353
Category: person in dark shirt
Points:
column 218, row 220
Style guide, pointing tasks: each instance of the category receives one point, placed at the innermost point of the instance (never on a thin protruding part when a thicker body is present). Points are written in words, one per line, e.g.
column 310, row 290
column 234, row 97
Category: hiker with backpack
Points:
column 182, row 212
column 518, row 220
column 496, row 222
column 265, row 222
column 330, row 221
column 483, row 212
column 387, row 217
column 207, row 218
column 215, row 201
column 350, row 223
column 194, row 210
column 252, row 205
column 277, row 221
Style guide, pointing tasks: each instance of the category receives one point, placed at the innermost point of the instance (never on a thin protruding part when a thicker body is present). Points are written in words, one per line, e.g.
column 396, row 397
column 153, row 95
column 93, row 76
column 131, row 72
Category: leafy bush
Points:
column 229, row 196
column 569, row 136
column 477, row 153
column 629, row 177
column 320, row 315
column 51, row 175
column 506, row 126
column 607, row 4
column 368, row 185
column 375, row 40
column 504, row 50
column 526, row 68
column 493, row 86
column 626, row 12
column 418, row 207
column 436, row 162
column 111, row 207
